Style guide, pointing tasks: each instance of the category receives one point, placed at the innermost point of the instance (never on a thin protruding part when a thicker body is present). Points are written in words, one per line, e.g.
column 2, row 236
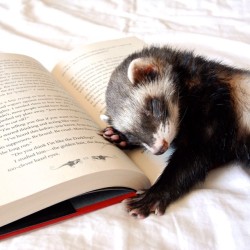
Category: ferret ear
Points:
column 141, row 69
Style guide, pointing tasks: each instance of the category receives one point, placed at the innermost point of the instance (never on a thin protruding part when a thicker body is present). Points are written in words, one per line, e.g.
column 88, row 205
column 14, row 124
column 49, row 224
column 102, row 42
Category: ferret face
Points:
column 143, row 104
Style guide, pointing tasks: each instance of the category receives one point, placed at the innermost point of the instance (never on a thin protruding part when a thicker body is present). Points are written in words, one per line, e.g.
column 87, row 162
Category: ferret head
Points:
column 142, row 103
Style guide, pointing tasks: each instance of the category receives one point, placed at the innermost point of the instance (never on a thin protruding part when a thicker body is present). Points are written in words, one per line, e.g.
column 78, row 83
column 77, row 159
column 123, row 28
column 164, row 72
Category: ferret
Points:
column 160, row 97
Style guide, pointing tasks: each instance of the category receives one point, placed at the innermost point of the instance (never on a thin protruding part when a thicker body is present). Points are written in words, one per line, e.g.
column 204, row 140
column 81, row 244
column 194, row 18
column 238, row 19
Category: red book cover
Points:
column 65, row 210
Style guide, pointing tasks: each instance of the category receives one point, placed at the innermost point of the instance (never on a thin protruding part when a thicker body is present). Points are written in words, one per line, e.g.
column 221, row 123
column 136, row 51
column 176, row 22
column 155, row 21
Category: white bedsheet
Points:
column 216, row 215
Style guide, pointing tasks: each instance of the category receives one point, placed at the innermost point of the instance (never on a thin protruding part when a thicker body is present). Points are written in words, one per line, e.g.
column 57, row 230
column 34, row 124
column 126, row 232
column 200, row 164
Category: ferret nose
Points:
column 163, row 148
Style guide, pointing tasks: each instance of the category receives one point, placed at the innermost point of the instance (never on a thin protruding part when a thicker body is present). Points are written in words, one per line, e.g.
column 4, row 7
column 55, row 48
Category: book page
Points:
column 46, row 138
column 151, row 165
column 85, row 74
column 86, row 71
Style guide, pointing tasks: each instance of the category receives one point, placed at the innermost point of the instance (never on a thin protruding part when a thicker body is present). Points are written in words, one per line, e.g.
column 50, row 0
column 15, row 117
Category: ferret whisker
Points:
column 183, row 116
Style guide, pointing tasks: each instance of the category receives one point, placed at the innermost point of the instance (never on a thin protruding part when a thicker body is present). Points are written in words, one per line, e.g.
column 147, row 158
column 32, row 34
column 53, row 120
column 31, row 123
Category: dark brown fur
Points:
column 213, row 125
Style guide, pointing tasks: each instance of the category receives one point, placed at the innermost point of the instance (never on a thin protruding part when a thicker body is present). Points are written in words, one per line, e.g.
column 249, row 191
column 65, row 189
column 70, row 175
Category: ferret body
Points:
column 159, row 97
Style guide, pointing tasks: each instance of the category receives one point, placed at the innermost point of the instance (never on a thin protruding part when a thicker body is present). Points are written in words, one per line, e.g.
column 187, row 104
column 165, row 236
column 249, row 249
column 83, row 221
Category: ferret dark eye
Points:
column 156, row 107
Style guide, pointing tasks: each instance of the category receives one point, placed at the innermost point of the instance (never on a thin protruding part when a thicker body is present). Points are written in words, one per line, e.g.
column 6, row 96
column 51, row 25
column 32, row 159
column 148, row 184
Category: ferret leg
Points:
column 185, row 169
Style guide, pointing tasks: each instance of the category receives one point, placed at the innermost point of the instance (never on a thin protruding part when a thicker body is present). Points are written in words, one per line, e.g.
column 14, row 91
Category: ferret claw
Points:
column 115, row 137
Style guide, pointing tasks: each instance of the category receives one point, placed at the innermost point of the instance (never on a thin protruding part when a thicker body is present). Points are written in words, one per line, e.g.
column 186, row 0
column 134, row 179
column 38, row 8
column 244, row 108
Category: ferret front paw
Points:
column 145, row 203
column 115, row 137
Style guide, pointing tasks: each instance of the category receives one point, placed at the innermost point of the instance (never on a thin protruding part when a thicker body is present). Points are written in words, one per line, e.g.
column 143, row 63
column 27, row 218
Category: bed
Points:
column 214, row 215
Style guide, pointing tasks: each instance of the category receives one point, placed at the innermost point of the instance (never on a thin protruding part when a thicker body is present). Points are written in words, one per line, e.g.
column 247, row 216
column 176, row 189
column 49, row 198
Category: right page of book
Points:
column 85, row 74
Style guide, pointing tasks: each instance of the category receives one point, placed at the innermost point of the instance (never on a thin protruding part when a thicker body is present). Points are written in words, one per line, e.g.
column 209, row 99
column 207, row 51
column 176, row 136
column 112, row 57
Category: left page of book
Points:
column 46, row 140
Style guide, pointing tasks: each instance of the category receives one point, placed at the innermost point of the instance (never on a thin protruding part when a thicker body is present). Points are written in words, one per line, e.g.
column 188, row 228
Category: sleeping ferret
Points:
column 160, row 97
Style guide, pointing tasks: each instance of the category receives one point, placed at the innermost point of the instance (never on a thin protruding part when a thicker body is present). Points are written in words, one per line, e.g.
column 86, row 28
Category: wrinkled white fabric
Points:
column 215, row 215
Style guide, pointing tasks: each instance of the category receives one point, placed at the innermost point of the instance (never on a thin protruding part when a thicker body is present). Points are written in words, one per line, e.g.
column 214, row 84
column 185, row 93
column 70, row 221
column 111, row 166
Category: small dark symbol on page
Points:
column 69, row 163
column 100, row 157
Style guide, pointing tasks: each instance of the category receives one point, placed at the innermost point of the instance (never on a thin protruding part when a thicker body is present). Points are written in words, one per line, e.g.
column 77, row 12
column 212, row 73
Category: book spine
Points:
column 78, row 212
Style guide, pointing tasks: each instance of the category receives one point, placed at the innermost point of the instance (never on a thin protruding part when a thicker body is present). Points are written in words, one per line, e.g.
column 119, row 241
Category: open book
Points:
column 50, row 150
